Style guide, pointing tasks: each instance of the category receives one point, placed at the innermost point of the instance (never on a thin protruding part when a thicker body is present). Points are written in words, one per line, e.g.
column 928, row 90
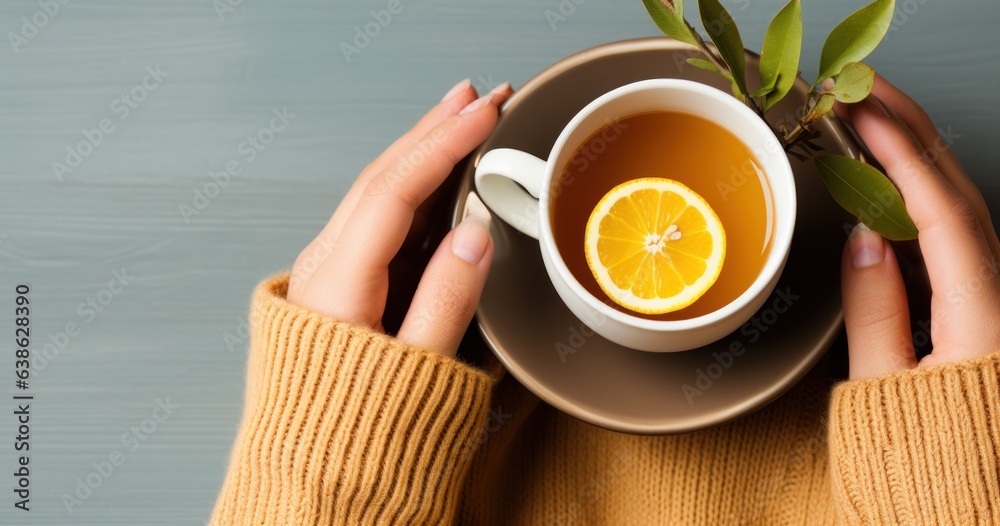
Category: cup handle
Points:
column 510, row 182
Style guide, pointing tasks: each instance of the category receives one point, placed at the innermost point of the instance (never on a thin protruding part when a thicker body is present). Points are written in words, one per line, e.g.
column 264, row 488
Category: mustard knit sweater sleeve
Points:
column 920, row 446
column 343, row 425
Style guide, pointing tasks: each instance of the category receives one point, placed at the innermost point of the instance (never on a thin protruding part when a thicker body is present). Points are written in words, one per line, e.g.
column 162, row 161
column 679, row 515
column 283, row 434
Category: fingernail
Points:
column 476, row 104
column 500, row 89
column 472, row 236
column 867, row 247
column 456, row 89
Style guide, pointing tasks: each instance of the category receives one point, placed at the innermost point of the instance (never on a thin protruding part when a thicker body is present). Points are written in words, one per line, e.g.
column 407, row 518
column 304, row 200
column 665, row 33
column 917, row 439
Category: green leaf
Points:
column 855, row 38
column 671, row 22
column 823, row 106
column 854, row 83
column 868, row 194
column 719, row 25
column 779, row 58
column 764, row 90
column 706, row 65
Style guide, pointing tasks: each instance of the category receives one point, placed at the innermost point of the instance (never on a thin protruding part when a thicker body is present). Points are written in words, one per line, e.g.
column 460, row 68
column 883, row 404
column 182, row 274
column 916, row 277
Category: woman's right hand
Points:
column 956, row 237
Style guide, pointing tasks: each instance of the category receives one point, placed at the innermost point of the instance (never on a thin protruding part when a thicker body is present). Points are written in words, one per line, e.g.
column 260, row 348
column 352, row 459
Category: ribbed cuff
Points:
column 920, row 446
column 344, row 425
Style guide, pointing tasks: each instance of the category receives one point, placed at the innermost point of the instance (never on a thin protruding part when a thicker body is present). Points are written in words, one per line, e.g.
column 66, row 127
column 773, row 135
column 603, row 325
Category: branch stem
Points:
column 794, row 134
column 716, row 60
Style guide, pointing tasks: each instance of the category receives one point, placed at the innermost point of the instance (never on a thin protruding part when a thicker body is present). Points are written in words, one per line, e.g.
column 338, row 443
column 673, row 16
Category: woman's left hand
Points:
column 344, row 273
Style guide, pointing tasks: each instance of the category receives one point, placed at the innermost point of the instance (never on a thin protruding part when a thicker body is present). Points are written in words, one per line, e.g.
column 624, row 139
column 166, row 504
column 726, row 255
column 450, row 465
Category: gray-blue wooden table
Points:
column 114, row 113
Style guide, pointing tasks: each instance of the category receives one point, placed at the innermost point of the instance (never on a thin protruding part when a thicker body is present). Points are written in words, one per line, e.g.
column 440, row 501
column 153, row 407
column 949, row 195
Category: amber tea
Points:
column 691, row 150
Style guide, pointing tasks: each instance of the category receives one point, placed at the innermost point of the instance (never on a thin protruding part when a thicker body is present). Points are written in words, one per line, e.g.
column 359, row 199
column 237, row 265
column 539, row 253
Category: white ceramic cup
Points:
column 518, row 188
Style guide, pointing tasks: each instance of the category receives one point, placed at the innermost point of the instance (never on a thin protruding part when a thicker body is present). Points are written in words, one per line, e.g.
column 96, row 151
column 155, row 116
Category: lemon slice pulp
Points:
column 654, row 245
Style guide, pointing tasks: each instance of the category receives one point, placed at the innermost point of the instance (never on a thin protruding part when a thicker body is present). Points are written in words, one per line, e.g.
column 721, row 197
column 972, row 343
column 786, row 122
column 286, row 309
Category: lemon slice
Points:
column 654, row 245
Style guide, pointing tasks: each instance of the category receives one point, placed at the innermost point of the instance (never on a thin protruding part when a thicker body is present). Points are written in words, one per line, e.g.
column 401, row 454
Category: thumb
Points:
column 875, row 309
column 449, row 290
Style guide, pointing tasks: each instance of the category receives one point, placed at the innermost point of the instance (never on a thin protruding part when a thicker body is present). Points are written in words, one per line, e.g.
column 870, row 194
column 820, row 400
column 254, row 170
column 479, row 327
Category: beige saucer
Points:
column 558, row 358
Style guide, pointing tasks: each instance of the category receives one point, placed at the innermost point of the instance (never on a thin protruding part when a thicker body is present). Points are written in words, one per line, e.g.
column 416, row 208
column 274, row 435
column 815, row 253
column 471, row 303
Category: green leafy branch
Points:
column 858, row 187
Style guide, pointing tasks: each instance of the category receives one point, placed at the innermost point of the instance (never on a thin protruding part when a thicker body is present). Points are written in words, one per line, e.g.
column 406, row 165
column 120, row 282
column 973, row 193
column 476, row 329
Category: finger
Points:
column 386, row 206
column 938, row 149
column 449, row 290
column 875, row 309
column 446, row 109
column 457, row 98
column 429, row 224
column 960, row 264
column 380, row 222
column 454, row 101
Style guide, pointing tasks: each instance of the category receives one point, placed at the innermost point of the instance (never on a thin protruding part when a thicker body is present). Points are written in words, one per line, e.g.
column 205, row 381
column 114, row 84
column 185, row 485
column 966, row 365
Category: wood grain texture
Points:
column 163, row 336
